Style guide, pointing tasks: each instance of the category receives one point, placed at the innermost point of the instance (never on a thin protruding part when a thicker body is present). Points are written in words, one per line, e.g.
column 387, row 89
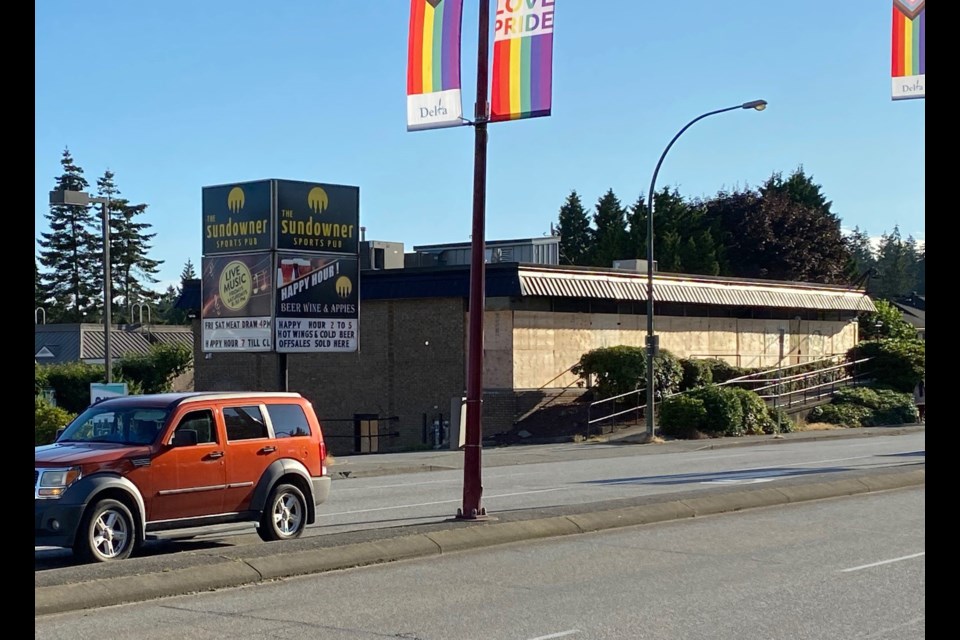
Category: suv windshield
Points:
column 131, row 425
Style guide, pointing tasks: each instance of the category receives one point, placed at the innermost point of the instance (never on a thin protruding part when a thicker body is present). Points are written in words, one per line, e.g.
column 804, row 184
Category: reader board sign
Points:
column 102, row 390
column 317, row 303
column 237, row 294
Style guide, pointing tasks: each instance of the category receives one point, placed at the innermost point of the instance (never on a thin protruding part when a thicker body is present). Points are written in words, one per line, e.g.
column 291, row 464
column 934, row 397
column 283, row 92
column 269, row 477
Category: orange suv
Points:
column 178, row 464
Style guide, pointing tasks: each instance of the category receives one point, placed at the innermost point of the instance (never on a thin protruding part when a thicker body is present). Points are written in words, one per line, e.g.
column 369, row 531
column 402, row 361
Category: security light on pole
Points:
column 83, row 199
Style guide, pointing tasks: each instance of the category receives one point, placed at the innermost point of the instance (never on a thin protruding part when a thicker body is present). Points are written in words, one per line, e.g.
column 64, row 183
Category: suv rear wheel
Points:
column 285, row 516
column 106, row 533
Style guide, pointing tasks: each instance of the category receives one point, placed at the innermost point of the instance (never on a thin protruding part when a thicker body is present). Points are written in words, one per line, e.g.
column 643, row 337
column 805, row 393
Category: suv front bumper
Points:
column 55, row 523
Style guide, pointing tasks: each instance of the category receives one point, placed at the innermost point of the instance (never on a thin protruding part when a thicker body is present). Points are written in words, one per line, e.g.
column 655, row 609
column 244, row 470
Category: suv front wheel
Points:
column 106, row 533
column 285, row 516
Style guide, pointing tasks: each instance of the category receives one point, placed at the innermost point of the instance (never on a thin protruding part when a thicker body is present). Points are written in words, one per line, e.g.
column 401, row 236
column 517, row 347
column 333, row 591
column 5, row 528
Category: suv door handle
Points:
column 216, row 454
column 268, row 449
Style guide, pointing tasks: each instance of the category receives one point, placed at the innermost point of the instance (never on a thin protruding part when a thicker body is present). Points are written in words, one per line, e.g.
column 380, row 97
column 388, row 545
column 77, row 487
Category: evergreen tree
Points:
column 862, row 258
column 674, row 222
column 922, row 271
column 637, row 231
column 699, row 254
column 914, row 255
column 166, row 309
column 131, row 267
column 799, row 188
column 69, row 252
column 897, row 265
column 39, row 297
column 167, row 313
column 576, row 236
column 188, row 272
column 724, row 215
column 610, row 231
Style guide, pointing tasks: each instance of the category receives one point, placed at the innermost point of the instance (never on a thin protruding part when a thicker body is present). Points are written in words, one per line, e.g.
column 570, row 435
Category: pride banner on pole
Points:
column 433, row 64
column 522, row 60
column 908, row 64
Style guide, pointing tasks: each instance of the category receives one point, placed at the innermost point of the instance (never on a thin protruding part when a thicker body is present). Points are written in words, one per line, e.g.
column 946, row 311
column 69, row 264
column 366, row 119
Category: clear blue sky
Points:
column 177, row 95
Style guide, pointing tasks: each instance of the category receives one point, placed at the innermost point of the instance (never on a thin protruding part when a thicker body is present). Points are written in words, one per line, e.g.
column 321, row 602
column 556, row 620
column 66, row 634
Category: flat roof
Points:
column 514, row 279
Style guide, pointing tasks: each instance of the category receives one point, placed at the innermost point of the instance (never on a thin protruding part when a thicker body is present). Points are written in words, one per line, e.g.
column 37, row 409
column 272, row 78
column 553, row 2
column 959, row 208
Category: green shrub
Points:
column 154, row 372
column 846, row 414
column 886, row 322
column 40, row 381
column 70, row 382
column 682, row 416
column 867, row 407
column 778, row 421
column 149, row 373
column 862, row 396
column 721, row 370
column 696, row 373
column 898, row 364
column 894, row 407
column 47, row 419
column 724, row 411
column 756, row 415
column 667, row 372
column 617, row 370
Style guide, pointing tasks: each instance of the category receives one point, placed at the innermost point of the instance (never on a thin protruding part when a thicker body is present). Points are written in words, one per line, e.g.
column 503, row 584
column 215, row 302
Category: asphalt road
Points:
column 535, row 491
column 851, row 567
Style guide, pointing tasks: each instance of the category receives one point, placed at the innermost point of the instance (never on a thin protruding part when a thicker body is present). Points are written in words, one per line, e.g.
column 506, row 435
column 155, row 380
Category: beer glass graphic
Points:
column 288, row 270
column 303, row 267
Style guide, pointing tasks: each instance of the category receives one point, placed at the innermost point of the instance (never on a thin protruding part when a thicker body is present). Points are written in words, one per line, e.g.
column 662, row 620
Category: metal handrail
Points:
column 523, row 416
column 622, row 395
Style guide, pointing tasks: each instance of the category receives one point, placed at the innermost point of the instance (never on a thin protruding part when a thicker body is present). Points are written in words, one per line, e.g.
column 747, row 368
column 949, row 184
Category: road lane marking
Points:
column 877, row 564
column 559, row 634
column 430, row 504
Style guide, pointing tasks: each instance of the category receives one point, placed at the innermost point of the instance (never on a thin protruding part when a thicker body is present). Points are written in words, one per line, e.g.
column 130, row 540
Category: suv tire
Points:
column 285, row 515
column 107, row 532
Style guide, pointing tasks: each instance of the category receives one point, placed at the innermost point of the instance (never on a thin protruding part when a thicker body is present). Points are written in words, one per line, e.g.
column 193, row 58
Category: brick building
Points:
column 539, row 319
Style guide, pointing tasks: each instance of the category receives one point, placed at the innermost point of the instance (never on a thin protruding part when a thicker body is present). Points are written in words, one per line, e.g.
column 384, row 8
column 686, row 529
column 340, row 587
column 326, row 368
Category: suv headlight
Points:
column 53, row 482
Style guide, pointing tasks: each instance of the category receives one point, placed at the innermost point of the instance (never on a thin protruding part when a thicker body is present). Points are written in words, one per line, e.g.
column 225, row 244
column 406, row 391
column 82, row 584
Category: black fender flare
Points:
column 89, row 489
column 271, row 476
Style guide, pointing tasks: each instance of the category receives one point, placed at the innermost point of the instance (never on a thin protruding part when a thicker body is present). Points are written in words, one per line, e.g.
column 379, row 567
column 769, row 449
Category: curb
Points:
column 227, row 573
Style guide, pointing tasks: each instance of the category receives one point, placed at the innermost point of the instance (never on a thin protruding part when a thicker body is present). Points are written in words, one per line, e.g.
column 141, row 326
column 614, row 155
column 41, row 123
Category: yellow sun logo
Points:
column 317, row 199
column 344, row 286
column 235, row 199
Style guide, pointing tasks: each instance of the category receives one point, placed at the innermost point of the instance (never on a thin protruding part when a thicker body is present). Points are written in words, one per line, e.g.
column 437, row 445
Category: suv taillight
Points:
column 323, row 458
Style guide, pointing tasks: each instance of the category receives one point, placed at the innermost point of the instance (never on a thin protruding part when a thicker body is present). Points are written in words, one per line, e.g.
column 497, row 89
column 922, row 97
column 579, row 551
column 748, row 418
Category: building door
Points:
column 366, row 433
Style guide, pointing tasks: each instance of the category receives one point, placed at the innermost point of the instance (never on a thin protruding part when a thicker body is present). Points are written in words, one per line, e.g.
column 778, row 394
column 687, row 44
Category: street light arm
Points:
column 663, row 155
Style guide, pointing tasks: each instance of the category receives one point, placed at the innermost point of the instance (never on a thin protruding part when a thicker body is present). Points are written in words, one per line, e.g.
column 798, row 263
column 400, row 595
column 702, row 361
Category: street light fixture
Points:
column 652, row 341
column 83, row 199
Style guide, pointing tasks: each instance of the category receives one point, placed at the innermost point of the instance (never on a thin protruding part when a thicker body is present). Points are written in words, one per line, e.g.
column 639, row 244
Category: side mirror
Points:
column 59, row 433
column 184, row 438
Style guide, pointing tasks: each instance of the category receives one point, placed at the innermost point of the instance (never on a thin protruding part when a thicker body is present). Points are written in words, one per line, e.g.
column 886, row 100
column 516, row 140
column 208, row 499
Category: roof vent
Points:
column 633, row 265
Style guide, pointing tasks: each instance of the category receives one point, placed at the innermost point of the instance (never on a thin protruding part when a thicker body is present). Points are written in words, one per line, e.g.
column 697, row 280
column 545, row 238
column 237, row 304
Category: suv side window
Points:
column 202, row 423
column 245, row 423
column 288, row 420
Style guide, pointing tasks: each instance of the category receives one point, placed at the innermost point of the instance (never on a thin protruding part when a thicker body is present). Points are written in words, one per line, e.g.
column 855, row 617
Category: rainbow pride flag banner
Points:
column 433, row 64
column 521, row 83
column 908, row 64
